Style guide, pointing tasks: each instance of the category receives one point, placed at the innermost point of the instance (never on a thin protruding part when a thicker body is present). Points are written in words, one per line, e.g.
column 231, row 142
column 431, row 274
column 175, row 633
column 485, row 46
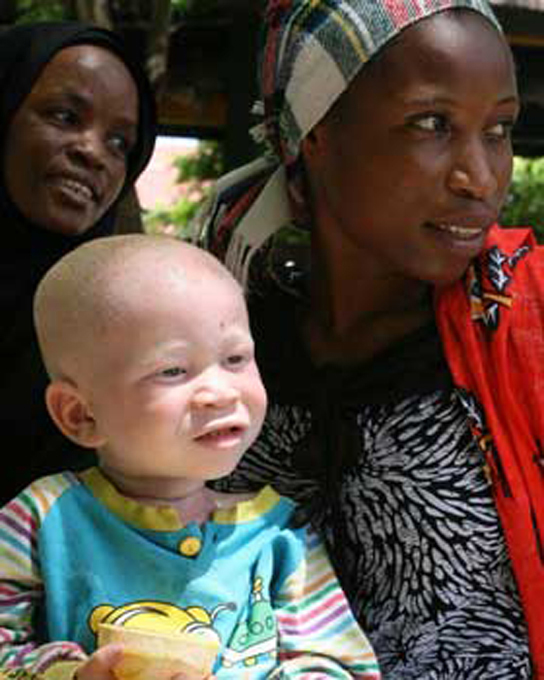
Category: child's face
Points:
column 179, row 398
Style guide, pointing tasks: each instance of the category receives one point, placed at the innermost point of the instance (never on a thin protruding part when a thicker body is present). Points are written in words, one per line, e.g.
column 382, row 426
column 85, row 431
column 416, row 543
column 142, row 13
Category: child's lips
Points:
column 222, row 436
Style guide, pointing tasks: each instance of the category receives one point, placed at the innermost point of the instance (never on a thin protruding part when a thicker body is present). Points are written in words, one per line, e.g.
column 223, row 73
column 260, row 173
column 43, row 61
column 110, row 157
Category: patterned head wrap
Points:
column 313, row 49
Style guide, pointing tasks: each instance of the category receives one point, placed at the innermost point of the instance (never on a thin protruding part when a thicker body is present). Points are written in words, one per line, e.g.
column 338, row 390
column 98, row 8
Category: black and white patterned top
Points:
column 411, row 525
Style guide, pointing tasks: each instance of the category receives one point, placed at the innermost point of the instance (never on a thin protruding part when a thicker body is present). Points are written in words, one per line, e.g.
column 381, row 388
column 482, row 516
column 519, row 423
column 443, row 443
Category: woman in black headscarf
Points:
column 77, row 127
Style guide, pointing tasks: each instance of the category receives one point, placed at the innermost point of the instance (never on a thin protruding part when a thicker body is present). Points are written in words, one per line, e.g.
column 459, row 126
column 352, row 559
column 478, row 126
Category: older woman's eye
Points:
column 121, row 144
column 64, row 116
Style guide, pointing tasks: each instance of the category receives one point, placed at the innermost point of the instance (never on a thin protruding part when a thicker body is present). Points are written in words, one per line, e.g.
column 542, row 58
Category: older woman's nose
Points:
column 89, row 147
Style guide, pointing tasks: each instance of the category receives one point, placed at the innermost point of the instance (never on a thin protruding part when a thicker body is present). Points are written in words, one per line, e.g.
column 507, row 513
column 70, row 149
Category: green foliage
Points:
column 51, row 10
column 207, row 163
column 196, row 171
column 174, row 220
column 41, row 10
column 193, row 7
column 181, row 6
column 525, row 203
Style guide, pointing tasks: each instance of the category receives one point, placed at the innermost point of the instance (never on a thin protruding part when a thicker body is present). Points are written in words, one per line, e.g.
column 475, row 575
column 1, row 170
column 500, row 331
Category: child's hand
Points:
column 99, row 666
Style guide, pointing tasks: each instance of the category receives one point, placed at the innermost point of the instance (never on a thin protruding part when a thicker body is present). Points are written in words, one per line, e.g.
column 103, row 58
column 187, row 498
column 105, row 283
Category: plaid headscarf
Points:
column 313, row 49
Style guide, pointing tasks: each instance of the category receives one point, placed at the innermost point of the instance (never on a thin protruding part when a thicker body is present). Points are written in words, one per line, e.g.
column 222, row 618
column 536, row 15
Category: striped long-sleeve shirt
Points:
column 74, row 554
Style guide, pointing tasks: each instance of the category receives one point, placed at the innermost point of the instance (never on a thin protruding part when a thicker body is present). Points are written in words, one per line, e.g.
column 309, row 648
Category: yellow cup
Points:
column 149, row 655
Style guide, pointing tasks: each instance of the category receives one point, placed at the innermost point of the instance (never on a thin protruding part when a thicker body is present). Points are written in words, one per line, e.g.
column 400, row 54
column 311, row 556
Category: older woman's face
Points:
column 412, row 166
column 66, row 148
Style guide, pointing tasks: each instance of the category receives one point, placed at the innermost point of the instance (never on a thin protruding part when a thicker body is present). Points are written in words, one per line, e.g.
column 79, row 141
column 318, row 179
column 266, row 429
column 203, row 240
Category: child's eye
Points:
column 172, row 372
column 236, row 359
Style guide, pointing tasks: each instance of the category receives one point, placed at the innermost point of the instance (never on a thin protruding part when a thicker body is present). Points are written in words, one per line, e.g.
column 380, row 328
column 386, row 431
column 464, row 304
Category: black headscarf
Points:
column 31, row 445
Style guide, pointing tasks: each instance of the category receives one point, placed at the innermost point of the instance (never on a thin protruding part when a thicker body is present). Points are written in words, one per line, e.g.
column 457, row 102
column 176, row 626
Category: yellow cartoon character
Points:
column 160, row 617
column 159, row 639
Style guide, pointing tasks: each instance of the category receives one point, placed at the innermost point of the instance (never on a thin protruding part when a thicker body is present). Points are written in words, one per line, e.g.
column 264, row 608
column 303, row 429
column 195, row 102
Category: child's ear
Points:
column 70, row 411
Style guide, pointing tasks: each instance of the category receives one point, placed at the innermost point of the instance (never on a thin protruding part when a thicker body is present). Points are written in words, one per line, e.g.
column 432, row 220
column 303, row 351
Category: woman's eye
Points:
column 64, row 116
column 502, row 130
column 121, row 144
column 431, row 123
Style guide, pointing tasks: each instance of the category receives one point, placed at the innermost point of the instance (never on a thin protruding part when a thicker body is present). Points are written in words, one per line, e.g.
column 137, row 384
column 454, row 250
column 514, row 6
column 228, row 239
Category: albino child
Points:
column 148, row 347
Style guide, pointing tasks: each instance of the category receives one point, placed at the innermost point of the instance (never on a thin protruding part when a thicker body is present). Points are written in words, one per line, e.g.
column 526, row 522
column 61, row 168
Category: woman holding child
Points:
column 399, row 330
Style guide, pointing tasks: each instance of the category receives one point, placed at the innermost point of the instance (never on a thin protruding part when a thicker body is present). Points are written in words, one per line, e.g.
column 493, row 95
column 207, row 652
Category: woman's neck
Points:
column 356, row 310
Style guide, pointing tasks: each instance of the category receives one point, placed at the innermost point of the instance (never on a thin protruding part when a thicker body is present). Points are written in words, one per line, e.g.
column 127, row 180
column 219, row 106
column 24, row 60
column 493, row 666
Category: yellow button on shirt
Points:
column 190, row 546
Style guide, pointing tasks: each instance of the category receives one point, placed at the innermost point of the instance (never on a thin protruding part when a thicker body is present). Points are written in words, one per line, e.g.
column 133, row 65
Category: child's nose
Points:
column 216, row 389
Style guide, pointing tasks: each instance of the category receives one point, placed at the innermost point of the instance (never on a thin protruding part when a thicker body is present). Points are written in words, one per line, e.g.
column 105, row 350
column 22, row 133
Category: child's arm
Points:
column 318, row 634
column 21, row 592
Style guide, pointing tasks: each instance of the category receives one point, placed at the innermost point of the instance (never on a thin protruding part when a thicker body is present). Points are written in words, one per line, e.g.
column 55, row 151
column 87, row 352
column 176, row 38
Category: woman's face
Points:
column 411, row 167
column 67, row 146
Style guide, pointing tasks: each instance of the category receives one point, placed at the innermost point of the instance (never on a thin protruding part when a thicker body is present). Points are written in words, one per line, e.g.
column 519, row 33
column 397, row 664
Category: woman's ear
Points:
column 318, row 141
column 71, row 413
column 315, row 149
column 311, row 144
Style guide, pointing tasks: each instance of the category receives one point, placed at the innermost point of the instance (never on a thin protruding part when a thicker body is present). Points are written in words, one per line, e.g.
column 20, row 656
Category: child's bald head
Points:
column 93, row 287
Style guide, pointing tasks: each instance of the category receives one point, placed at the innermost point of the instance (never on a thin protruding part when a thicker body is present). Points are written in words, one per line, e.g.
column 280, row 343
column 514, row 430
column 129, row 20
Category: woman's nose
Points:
column 88, row 146
column 472, row 173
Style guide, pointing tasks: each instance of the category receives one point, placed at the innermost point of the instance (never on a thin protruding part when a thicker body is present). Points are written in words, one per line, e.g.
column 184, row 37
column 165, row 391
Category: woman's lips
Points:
column 460, row 232
column 76, row 191
column 77, row 188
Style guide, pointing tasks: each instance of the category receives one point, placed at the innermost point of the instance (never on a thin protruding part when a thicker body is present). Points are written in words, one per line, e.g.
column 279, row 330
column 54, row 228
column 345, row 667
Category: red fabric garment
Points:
column 492, row 329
